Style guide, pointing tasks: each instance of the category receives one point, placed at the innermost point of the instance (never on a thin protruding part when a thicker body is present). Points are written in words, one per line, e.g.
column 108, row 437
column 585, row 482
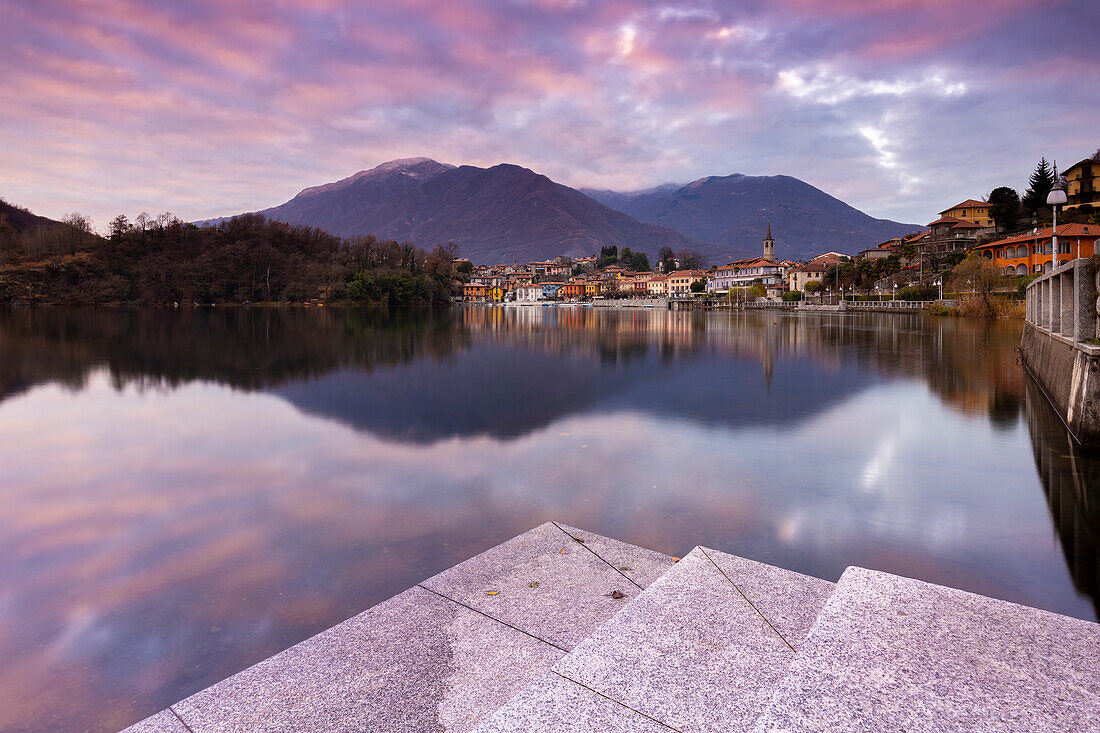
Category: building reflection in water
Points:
column 1070, row 476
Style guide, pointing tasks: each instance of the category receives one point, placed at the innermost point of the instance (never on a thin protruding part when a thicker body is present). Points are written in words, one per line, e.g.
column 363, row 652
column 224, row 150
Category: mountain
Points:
column 498, row 214
column 730, row 214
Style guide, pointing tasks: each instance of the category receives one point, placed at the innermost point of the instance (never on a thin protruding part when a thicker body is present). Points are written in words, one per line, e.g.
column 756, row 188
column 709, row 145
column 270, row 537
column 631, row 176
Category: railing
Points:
column 1063, row 302
column 843, row 305
column 887, row 304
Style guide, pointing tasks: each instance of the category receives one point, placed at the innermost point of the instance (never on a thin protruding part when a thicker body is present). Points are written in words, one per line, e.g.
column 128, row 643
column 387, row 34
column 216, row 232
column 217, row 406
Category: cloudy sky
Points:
column 211, row 107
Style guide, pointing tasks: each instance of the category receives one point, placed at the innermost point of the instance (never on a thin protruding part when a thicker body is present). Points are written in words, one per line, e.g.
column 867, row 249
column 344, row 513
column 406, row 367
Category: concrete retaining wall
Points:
column 1061, row 314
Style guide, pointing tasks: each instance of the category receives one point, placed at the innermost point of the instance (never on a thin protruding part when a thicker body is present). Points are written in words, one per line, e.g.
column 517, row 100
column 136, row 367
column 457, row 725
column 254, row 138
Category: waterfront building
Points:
column 1030, row 253
column 743, row 273
column 657, row 286
column 1083, row 184
column 679, row 282
column 593, row 288
column 528, row 292
column 474, row 292
column 814, row 270
column 550, row 289
column 571, row 291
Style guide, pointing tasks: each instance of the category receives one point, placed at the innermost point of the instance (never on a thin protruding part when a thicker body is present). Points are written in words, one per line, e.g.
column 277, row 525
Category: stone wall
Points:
column 1062, row 320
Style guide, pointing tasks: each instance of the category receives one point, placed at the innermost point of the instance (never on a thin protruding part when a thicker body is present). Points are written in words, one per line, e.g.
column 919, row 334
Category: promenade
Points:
column 561, row 629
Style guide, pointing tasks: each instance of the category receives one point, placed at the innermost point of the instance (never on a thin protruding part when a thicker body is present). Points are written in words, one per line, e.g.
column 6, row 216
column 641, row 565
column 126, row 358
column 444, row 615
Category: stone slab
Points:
column 690, row 652
column 162, row 722
column 790, row 601
column 415, row 662
column 571, row 595
column 889, row 653
column 553, row 703
column 640, row 565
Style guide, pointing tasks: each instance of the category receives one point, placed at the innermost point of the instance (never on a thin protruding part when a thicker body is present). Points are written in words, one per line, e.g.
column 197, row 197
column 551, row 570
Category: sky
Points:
column 213, row 107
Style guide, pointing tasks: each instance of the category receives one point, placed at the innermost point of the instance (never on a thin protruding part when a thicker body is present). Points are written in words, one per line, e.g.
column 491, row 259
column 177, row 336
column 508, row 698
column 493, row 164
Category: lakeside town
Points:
column 916, row 267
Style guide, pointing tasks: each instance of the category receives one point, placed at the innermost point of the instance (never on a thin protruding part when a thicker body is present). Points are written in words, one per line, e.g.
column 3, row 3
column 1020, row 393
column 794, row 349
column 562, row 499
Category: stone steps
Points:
column 560, row 629
column 720, row 643
column 701, row 649
column 444, row 654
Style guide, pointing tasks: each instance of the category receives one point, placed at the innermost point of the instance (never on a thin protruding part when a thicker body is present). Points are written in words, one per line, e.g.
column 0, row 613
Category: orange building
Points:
column 1030, row 253
column 474, row 292
column 571, row 291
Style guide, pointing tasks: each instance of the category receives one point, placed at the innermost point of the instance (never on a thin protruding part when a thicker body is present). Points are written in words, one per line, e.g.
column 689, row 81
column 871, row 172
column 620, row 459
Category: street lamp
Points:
column 1055, row 198
column 939, row 281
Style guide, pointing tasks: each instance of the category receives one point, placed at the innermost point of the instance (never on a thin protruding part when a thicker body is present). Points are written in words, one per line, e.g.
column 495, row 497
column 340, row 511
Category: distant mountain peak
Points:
column 417, row 168
column 730, row 215
column 404, row 164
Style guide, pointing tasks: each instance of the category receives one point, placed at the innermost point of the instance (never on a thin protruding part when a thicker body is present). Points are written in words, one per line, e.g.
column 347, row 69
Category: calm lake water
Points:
column 183, row 493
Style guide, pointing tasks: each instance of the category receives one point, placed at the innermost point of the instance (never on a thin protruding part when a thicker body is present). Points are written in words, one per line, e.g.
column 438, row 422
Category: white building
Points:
column 529, row 293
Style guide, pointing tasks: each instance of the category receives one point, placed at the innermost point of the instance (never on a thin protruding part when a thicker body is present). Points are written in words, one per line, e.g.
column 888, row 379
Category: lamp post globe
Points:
column 1055, row 198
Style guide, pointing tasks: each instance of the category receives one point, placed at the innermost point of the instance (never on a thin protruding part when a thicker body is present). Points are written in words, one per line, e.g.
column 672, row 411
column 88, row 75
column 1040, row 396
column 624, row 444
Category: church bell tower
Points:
column 769, row 244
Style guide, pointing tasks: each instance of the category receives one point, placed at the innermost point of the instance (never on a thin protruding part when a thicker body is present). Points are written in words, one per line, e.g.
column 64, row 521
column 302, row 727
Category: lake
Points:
column 185, row 493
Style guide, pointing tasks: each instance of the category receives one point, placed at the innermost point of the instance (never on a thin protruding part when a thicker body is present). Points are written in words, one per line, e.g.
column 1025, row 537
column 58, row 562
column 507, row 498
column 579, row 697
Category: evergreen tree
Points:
column 1039, row 185
column 1005, row 208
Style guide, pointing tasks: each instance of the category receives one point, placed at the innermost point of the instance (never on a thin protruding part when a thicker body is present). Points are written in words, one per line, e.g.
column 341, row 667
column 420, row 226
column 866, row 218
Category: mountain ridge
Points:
column 734, row 210
column 502, row 213
column 507, row 212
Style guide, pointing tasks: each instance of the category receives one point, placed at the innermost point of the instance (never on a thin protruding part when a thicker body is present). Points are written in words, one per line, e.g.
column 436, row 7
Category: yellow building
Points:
column 592, row 288
column 1083, row 184
column 658, row 285
column 679, row 283
column 496, row 294
column 971, row 210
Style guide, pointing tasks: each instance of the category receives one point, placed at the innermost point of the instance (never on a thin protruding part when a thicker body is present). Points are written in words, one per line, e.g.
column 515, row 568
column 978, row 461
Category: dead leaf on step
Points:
column 533, row 584
column 624, row 569
column 491, row 592
column 561, row 551
column 578, row 539
column 617, row 594
column 675, row 559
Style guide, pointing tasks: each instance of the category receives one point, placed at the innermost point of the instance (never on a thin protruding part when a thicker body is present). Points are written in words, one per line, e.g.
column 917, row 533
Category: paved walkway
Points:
column 560, row 629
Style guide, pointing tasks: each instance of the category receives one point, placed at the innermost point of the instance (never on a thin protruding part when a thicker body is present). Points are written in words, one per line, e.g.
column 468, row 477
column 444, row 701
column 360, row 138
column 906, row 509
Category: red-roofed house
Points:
column 973, row 211
column 1030, row 253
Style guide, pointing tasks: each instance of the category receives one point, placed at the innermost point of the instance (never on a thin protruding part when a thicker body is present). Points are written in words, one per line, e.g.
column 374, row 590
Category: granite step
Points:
column 441, row 656
column 560, row 629
column 889, row 653
column 701, row 649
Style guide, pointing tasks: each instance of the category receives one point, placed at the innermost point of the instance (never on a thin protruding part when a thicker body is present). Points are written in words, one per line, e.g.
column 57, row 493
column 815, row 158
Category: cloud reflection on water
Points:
column 163, row 528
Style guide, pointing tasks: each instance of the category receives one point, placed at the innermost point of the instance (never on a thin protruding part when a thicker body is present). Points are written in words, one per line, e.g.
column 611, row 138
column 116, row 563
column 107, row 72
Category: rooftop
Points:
column 968, row 204
column 1064, row 230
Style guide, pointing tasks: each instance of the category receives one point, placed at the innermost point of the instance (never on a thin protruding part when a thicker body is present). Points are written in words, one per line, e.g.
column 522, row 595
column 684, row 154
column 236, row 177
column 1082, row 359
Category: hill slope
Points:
column 20, row 219
column 496, row 214
column 730, row 214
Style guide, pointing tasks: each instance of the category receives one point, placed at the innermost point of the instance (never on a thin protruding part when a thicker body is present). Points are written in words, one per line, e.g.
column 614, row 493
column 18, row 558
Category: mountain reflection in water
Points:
column 187, row 492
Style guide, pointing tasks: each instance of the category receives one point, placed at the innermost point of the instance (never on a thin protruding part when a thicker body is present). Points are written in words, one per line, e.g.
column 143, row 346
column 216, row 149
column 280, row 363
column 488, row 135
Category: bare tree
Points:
column 981, row 278
column 77, row 230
